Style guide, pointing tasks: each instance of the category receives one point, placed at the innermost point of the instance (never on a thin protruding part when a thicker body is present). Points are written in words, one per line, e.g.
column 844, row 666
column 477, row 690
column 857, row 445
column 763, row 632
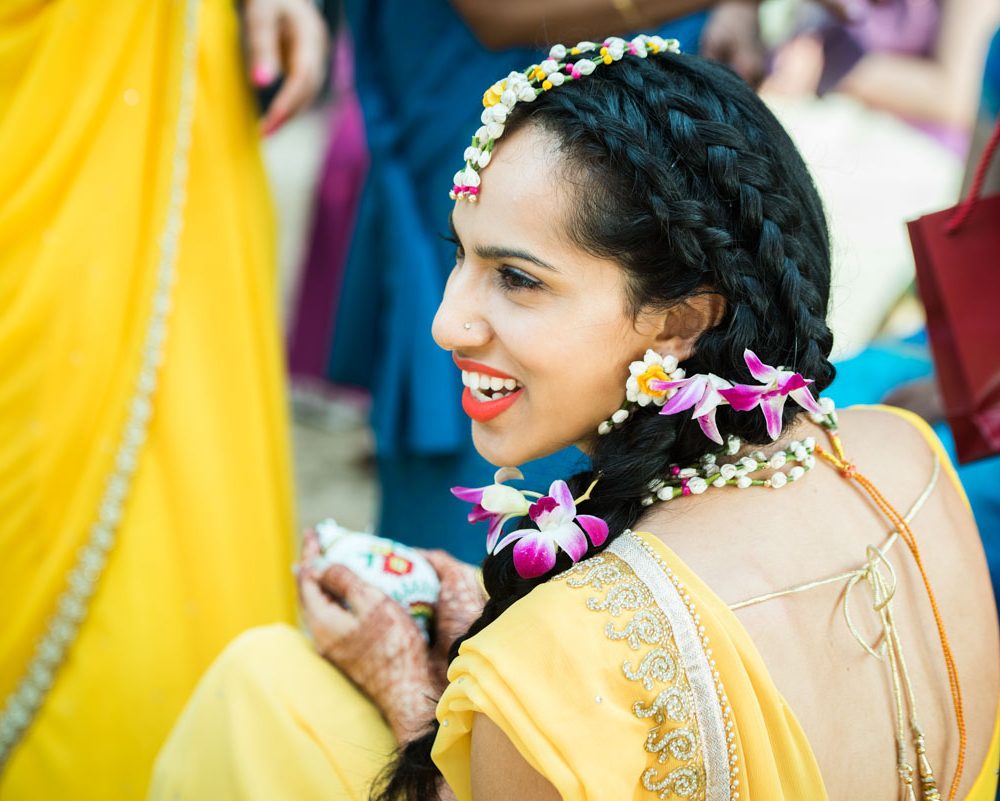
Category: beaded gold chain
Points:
column 900, row 677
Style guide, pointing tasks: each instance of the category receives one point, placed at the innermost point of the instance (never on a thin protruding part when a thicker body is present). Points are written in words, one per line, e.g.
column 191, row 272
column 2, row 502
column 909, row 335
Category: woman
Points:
column 643, row 210
column 145, row 493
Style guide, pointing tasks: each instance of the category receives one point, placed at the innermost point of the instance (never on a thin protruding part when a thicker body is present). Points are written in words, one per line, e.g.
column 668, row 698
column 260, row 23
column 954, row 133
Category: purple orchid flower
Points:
column 778, row 384
column 704, row 392
column 559, row 526
column 495, row 502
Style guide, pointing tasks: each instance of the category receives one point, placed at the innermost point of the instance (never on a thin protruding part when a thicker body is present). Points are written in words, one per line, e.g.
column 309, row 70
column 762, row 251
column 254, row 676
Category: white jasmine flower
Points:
column 697, row 486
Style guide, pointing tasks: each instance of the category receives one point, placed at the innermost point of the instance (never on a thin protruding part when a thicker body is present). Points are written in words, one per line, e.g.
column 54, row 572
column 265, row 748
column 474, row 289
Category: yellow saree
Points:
column 142, row 412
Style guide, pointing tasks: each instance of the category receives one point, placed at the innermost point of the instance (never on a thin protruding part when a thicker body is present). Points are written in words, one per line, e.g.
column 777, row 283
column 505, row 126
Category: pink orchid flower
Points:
column 778, row 384
column 495, row 502
column 702, row 391
column 559, row 526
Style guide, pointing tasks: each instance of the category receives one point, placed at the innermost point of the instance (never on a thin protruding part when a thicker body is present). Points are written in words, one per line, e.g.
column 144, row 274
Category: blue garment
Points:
column 881, row 367
column 990, row 103
column 420, row 77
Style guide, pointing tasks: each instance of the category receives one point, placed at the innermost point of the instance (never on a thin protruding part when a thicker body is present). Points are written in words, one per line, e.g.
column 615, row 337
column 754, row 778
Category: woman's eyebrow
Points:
column 498, row 252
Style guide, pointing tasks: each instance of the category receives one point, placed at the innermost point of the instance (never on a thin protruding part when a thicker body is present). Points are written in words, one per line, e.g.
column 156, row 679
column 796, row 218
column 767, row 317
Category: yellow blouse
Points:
column 636, row 663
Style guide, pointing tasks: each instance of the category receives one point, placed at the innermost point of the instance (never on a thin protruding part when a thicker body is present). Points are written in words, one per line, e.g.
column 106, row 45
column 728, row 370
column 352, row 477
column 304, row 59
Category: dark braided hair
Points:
column 690, row 184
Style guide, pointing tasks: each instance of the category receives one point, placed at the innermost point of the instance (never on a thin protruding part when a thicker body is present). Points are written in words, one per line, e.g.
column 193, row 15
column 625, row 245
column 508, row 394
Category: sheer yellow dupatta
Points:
column 87, row 129
column 94, row 131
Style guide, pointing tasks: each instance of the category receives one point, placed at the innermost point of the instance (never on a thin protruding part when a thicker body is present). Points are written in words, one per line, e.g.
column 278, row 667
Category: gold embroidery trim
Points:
column 677, row 768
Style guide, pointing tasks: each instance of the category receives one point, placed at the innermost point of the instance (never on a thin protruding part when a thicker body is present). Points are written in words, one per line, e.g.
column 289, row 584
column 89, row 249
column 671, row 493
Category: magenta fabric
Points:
column 339, row 191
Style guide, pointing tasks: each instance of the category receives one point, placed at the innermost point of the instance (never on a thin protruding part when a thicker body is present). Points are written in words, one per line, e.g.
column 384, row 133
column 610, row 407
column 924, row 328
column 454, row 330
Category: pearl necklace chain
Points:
column 680, row 481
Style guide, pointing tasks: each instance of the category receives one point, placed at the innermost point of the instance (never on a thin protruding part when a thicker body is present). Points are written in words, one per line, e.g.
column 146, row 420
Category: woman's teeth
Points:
column 488, row 387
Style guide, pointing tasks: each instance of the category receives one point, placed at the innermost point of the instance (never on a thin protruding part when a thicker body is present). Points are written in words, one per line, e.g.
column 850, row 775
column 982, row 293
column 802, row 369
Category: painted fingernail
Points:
column 262, row 75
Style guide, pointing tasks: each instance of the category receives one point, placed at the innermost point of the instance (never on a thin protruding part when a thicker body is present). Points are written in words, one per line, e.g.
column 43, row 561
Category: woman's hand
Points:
column 285, row 38
column 459, row 604
column 732, row 37
column 371, row 638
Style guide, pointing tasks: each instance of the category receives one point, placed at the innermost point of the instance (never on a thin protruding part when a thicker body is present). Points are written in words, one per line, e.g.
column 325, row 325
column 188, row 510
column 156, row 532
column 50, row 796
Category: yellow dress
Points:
column 133, row 207
column 624, row 678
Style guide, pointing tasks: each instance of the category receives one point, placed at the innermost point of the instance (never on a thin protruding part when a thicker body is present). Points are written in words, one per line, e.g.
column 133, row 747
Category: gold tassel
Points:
column 906, row 776
column 928, row 783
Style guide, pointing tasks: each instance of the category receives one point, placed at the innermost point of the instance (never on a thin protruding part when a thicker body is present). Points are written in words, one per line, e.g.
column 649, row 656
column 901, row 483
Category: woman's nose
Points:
column 459, row 323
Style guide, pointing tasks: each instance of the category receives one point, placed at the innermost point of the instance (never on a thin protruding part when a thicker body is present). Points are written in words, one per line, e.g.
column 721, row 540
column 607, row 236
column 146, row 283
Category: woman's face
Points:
column 527, row 308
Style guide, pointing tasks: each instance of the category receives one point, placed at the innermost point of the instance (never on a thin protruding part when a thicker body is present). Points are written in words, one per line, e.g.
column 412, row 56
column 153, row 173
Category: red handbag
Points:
column 957, row 254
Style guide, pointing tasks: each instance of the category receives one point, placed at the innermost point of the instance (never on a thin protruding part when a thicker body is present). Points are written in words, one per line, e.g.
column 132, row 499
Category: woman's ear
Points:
column 679, row 327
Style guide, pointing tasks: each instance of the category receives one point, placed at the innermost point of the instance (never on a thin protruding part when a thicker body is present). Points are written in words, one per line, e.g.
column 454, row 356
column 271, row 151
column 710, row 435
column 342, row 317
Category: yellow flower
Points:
column 654, row 372
column 574, row 51
column 607, row 59
column 546, row 85
column 492, row 95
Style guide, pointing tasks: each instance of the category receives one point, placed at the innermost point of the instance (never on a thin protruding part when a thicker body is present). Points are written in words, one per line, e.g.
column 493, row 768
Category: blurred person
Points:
column 668, row 622
column 901, row 371
column 896, row 82
column 371, row 329
column 145, row 506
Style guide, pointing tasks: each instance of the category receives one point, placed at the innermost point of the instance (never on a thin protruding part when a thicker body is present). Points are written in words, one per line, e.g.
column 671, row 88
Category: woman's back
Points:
column 748, row 544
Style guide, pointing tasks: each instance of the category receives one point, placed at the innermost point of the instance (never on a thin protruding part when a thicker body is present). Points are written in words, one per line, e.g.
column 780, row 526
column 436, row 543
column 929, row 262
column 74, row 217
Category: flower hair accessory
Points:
column 705, row 392
column 563, row 64
column 558, row 526
column 643, row 387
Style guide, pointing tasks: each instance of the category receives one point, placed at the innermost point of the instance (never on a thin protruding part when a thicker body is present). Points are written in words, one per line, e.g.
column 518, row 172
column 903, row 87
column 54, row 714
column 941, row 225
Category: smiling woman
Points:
column 642, row 270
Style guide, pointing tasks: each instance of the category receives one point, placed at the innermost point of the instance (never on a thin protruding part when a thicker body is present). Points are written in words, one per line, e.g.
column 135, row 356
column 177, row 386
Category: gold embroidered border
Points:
column 692, row 743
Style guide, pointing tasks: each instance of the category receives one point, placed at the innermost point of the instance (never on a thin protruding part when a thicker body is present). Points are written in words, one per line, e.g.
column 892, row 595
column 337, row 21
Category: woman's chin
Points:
column 502, row 447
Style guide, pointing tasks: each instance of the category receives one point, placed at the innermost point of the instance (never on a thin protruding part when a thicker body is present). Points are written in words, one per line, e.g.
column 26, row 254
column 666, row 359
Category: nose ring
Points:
column 468, row 326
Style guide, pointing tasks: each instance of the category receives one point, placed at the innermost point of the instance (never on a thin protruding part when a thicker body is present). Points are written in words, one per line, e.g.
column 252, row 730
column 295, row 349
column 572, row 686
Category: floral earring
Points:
column 642, row 387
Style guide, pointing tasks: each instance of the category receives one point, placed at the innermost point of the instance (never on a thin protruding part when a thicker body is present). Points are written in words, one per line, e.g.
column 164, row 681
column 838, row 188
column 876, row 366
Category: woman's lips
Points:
column 488, row 391
column 481, row 411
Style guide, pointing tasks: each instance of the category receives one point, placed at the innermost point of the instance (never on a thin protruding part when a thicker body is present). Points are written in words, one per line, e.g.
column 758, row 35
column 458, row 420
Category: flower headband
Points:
column 563, row 64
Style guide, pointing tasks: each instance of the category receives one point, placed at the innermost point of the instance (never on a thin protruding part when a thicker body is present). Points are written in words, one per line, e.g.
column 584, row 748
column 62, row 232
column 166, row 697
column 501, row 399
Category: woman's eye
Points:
column 512, row 279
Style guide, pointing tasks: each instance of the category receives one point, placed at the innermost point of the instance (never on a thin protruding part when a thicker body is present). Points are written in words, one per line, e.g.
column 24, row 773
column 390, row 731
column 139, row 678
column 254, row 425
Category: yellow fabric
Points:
column 88, row 110
column 272, row 720
column 553, row 640
column 271, row 714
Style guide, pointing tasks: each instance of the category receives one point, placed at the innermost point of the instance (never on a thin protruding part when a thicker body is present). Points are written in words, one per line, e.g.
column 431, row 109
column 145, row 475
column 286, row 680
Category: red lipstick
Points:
column 479, row 410
column 477, row 367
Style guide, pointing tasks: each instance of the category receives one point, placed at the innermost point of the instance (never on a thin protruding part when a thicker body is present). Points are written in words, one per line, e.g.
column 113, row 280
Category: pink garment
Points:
column 340, row 186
